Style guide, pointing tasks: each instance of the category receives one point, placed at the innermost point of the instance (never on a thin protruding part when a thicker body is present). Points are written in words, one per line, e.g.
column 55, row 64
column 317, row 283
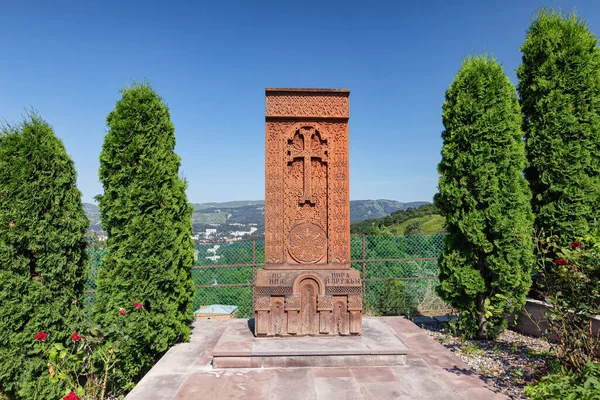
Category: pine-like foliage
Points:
column 43, row 265
column 559, row 87
column 145, row 212
column 486, row 264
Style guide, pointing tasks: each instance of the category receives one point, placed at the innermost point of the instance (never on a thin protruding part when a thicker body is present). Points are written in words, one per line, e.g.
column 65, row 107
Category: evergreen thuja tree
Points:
column 145, row 212
column 559, row 87
column 486, row 263
column 43, row 264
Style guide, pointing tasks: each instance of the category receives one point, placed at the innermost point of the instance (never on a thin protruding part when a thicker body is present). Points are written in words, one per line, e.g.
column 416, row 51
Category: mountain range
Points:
column 252, row 212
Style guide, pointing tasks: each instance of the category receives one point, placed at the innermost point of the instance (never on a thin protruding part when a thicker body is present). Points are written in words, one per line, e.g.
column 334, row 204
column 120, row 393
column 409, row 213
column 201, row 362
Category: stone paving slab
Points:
column 431, row 372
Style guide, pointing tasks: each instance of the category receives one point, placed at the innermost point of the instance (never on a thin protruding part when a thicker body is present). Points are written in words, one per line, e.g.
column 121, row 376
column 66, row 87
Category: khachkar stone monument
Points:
column 307, row 286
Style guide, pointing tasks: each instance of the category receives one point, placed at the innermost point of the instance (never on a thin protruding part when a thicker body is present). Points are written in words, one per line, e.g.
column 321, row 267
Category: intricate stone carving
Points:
column 343, row 289
column 272, row 290
column 339, row 199
column 262, row 303
column 307, row 243
column 305, row 183
column 308, row 104
column 292, row 303
column 325, row 303
column 274, row 191
column 307, row 176
column 355, row 303
column 307, row 286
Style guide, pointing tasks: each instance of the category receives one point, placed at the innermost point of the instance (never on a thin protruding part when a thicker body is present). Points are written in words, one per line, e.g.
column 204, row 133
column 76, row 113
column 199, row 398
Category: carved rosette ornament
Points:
column 307, row 243
column 307, row 286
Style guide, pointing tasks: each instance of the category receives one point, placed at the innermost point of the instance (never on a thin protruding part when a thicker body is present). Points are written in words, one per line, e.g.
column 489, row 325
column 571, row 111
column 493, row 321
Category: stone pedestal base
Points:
column 308, row 302
column 378, row 346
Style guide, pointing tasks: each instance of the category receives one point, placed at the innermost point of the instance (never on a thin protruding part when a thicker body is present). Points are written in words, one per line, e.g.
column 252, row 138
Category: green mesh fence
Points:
column 224, row 273
column 95, row 256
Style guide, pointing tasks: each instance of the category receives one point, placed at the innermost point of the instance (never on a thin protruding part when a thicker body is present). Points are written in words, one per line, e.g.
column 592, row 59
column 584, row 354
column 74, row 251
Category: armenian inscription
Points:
column 307, row 286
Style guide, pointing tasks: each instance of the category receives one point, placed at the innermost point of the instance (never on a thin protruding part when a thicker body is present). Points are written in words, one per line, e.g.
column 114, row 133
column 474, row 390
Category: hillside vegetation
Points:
column 361, row 210
column 421, row 220
column 429, row 225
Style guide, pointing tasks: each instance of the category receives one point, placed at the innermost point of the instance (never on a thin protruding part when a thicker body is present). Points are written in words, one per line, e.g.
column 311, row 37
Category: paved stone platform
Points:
column 431, row 372
column 377, row 346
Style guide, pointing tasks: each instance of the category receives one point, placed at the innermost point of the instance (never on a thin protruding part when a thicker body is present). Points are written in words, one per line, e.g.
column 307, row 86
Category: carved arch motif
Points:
column 308, row 275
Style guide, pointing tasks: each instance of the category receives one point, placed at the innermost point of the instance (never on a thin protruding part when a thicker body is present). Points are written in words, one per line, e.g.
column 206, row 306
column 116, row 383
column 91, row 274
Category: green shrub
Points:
column 145, row 213
column 392, row 299
column 413, row 228
column 486, row 263
column 43, row 265
column 559, row 87
column 568, row 385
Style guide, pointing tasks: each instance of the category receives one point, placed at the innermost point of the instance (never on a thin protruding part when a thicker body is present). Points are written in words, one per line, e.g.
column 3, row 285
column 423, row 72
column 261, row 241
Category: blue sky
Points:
column 212, row 60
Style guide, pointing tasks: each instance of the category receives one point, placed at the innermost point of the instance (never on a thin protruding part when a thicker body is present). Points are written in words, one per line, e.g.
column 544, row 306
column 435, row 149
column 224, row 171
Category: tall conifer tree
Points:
column 486, row 264
column 145, row 211
column 43, row 265
column 559, row 87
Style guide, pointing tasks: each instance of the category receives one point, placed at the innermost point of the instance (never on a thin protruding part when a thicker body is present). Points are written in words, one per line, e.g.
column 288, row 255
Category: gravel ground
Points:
column 510, row 362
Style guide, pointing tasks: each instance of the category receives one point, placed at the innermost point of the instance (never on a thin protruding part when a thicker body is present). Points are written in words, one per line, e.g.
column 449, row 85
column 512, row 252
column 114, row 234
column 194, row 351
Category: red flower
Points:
column 137, row 305
column 122, row 311
column 41, row 335
column 76, row 337
column 560, row 261
column 578, row 245
column 71, row 396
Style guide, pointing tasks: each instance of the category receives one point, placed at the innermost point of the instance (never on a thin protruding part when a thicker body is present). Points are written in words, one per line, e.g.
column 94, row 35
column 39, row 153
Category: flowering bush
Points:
column 85, row 365
column 82, row 365
column 569, row 280
column 71, row 396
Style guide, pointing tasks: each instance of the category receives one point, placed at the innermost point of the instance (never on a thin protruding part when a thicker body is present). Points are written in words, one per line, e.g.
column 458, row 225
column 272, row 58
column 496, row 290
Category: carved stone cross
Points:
column 307, row 145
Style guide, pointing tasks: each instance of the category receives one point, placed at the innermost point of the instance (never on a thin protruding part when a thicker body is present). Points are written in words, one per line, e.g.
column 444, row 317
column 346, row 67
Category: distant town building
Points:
column 242, row 233
column 210, row 231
